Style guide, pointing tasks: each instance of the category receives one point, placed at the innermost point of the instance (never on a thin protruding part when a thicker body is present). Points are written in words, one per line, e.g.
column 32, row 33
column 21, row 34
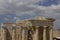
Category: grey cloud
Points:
column 21, row 7
column 13, row 6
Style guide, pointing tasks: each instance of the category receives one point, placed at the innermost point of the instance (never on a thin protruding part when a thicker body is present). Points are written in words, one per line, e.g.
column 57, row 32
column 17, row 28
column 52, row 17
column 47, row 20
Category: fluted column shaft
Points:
column 3, row 33
column 44, row 33
column 51, row 34
column 23, row 34
column 18, row 33
column 13, row 34
column 35, row 35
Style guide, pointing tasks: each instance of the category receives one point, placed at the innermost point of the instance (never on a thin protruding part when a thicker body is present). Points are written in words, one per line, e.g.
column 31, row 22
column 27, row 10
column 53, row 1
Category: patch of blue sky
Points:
column 48, row 2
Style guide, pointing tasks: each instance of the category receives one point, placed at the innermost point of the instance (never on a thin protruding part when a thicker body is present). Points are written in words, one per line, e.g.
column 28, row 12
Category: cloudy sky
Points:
column 11, row 10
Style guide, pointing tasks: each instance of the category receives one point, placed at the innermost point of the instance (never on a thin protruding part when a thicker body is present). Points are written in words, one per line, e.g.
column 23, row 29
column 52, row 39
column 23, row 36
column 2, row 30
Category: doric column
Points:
column 18, row 33
column 44, row 33
column 35, row 35
column 3, row 33
column 29, row 34
column 23, row 34
column 26, row 33
column 14, row 32
column 51, row 33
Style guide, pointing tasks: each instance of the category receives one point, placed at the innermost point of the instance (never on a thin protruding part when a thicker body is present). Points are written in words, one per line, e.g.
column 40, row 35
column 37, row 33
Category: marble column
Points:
column 3, row 33
column 23, row 34
column 51, row 33
column 29, row 34
column 13, row 34
column 35, row 35
column 18, row 33
column 26, row 34
column 44, row 33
